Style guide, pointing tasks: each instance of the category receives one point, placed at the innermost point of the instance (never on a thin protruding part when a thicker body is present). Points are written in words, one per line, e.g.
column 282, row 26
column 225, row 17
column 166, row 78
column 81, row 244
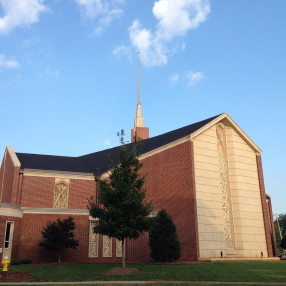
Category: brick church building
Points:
column 208, row 176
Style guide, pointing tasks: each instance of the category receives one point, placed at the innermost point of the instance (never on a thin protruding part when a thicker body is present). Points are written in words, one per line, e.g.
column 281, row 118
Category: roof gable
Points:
column 228, row 121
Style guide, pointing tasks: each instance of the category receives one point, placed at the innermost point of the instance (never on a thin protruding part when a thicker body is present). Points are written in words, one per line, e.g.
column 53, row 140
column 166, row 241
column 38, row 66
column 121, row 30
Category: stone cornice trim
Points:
column 227, row 120
column 58, row 174
column 13, row 156
column 10, row 210
column 28, row 210
column 10, row 206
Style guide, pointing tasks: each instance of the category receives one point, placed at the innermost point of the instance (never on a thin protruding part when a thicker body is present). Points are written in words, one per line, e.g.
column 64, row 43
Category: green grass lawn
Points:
column 252, row 271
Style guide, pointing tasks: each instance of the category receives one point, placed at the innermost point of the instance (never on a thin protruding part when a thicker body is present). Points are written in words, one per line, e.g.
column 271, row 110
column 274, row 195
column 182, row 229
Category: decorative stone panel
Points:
column 61, row 193
column 93, row 240
column 118, row 248
column 224, row 187
column 107, row 246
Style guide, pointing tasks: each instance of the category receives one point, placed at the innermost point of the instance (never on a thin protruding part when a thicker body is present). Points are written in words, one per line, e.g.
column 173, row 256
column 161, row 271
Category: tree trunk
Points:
column 123, row 253
column 59, row 257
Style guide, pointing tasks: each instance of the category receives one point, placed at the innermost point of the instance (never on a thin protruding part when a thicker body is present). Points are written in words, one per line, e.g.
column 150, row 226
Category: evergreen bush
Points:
column 163, row 239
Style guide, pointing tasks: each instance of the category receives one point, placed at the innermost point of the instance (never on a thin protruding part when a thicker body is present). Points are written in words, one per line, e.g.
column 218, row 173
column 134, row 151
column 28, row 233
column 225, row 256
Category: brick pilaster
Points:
column 265, row 209
column 194, row 202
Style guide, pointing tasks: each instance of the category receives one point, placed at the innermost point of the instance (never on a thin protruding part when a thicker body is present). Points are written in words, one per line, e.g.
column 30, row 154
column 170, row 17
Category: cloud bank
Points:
column 8, row 63
column 19, row 13
column 194, row 77
column 190, row 77
column 175, row 19
column 101, row 11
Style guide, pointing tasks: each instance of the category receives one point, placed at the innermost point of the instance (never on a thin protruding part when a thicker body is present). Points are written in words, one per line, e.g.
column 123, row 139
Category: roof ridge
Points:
column 150, row 138
column 99, row 162
column 47, row 155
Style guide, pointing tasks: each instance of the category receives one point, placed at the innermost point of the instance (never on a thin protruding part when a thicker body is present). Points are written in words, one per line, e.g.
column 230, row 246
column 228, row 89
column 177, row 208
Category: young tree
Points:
column 163, row 239
column 283, row 242
column 123, row 211
column 58, row 235
column 280, row 230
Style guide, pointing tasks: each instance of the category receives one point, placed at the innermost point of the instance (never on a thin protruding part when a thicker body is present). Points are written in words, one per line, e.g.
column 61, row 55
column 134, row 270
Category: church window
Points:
column 61, row 194
column 93, row 240
column 8, row 234
column 107, row 246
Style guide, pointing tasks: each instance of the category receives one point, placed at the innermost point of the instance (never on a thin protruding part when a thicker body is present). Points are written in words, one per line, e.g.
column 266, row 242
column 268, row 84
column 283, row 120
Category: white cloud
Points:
column 175, row 19
column 104, row 12
column 52, row 73
column 18, row 13
column 194, row 77
column 183, row 46
column 8, row 63
column 122, row 51
column 174, row 78
column 153, row 51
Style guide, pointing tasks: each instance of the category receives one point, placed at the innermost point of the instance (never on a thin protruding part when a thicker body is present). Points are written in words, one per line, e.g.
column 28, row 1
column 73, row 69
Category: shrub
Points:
column 26, row 261
column 163, row 239
column 15, row 261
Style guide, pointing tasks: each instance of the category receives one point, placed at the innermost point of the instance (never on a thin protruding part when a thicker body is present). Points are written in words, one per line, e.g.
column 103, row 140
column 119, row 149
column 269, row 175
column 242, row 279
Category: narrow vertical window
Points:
column 8, row 234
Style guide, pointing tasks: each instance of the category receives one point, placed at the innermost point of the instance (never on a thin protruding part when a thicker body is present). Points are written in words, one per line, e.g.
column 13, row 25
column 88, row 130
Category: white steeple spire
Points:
column 139, row 131
column 139, row 120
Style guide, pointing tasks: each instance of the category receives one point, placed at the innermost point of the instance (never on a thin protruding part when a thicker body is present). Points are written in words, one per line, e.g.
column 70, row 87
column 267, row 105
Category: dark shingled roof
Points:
column 99, row 162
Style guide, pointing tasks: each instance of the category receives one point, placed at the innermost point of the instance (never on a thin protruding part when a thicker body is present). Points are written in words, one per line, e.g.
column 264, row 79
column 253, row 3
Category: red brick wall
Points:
column 265, row 208
column 138, row 250
column 79, row 192
column 169, row 183
column 139, row 133
column 31, row 237
column 32, row 226
column 15, row 276
column 38, row 192
column 9, row 182
column 1, row 176
column 170, row 186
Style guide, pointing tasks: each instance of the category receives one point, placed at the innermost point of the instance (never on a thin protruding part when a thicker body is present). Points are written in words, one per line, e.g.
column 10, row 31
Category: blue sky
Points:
column 68, row 73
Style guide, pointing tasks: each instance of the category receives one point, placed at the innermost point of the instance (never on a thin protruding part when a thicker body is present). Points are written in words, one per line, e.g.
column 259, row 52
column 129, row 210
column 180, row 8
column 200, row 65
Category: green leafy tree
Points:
column 58, row 235
column 280, row 231
column 122, row 210
column 283, row 242
column 163, row 239
column 282, row 221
